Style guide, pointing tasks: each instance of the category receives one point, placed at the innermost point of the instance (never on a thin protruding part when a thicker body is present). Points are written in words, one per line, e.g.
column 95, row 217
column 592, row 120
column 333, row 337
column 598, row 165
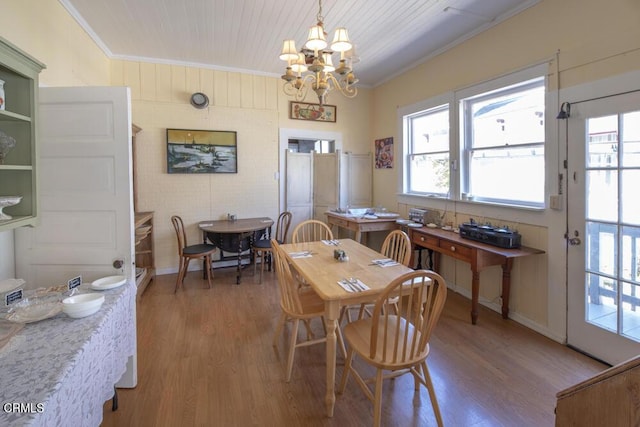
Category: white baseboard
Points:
column 515, row 316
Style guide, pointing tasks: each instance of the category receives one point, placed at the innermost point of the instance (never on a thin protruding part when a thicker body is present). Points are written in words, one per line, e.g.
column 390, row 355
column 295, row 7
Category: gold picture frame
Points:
column 201, row 151
column 313, row 112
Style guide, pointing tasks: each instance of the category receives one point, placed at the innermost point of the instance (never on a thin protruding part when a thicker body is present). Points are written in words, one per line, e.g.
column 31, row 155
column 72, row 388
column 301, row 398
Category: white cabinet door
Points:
column 299, row 186
column 326, row 183
column 359, row 180
column 86, row 208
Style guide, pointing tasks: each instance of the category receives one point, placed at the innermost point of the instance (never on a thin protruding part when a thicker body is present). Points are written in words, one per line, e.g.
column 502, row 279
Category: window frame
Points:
column 467, row 149
column 409, row 153
column 457, row 170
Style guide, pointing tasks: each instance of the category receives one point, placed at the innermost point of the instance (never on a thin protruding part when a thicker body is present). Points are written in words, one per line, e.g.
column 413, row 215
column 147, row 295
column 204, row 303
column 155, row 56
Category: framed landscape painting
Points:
column 201, row 151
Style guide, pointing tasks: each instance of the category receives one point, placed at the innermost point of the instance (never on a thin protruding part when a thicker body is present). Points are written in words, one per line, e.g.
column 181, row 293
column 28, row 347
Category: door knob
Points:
column 575, row 240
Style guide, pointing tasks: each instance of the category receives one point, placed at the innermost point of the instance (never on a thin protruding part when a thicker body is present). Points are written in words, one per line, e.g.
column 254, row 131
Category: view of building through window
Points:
column 613, row 222
column 504, row 136
column 501, row 147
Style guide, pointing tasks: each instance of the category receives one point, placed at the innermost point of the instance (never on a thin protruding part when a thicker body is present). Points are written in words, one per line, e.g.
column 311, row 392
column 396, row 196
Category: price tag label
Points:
column 75, row 282
column 13, row 296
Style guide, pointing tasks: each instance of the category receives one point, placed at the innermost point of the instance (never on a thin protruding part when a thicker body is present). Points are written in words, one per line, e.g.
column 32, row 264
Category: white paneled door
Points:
column 84, row 170
column 326, row 183
column 86, row 196
column 299, row 186
column 604, row 227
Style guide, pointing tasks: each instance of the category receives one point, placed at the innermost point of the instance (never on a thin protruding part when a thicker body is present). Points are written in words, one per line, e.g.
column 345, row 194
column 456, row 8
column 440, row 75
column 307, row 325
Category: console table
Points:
column 234, row 236
column 62, row 370
column 478, row 255
column 360, row 225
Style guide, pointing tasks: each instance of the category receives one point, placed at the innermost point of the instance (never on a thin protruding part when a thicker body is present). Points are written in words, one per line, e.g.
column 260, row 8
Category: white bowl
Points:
column 77, row 314
column 6, row 201
column 82, row 305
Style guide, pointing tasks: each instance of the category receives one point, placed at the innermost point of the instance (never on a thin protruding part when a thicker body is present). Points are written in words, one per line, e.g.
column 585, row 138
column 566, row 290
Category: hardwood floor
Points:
column 205, row 358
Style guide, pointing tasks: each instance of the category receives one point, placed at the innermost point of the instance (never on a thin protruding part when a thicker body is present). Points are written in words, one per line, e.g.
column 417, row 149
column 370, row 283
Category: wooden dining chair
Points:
column 263, row 249
column 297, row 304
column 311, row 230
column 396, row 246
column 188, row 252
column 398, row 343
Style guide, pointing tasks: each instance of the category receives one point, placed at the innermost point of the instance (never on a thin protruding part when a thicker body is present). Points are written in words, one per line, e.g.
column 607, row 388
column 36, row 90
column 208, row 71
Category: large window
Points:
column 503, row 145
column 483, row 143
column 428, row 151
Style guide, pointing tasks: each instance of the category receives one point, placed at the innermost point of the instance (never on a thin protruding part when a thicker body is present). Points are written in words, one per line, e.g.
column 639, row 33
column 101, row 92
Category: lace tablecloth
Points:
column 60, row 371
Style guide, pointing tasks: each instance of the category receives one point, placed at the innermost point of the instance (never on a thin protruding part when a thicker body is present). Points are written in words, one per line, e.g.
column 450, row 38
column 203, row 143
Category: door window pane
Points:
column 602, row 142
column 630, row 203
column 602, row 195
column 631, row 139
column 602, row 297
column 631, row 310
column 602, row 247
column 631, row 253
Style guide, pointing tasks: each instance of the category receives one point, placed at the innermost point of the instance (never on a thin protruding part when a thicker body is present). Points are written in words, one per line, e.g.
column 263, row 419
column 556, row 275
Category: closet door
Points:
column 326, row 183
column 359, row 180
column 299, row 186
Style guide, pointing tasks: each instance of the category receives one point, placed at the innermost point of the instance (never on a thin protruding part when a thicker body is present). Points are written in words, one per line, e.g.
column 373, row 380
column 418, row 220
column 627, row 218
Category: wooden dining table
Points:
column 231, row 236
column 323, row 272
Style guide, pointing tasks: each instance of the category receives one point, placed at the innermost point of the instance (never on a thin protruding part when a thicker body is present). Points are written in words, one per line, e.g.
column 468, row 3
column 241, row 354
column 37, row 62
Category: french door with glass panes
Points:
column 604, row 227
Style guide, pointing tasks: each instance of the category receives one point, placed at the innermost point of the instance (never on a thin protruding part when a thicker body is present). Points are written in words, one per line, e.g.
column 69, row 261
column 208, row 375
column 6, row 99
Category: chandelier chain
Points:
column 319, row 15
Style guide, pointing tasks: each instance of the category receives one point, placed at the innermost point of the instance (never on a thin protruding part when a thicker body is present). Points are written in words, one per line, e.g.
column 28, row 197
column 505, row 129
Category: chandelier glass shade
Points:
column 312, row 67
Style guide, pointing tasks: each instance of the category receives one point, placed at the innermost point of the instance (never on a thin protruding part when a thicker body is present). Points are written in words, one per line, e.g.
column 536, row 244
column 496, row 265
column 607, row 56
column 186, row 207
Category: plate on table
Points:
column 387, row 215
column 403, row 221
column 108, row 283
column 369, row 216
column 35, row 312
column 414, row 225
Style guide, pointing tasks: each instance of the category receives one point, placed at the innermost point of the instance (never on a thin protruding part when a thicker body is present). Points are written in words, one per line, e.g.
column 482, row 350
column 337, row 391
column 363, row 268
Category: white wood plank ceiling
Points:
column 246, row 35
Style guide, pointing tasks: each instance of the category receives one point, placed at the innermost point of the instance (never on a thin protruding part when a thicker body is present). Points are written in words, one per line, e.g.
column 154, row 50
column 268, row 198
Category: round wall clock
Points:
column 199, row 100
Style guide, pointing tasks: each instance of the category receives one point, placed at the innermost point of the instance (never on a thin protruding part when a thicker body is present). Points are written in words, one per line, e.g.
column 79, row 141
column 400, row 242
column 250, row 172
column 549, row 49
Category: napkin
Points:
column 385, row 262
column 303, row 254
column 331, row 242
column 350, row 287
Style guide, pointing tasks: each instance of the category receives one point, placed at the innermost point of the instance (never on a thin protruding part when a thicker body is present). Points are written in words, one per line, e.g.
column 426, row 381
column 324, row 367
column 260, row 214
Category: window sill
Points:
column 475, row 208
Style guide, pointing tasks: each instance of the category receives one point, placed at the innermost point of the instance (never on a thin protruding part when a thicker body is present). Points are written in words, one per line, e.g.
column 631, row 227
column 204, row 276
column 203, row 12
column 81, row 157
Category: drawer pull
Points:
column 422, row 239
column 453, row 248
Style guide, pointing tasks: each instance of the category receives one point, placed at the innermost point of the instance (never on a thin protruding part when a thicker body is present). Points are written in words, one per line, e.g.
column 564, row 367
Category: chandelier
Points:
column 313, row 66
